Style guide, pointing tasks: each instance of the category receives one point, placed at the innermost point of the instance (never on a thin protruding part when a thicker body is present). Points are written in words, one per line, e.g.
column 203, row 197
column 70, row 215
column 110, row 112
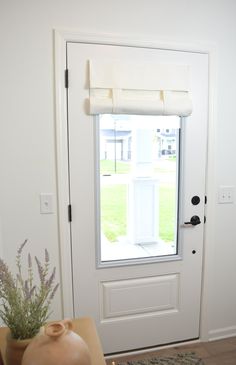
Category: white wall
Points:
column 27, row 125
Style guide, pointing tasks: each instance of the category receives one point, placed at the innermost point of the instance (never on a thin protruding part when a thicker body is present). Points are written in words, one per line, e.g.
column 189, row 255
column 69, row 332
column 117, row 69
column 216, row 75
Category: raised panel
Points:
column 141, row 296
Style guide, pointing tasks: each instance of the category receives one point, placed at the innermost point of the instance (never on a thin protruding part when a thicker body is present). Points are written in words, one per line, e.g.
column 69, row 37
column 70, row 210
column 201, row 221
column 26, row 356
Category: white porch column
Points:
column 142, row 191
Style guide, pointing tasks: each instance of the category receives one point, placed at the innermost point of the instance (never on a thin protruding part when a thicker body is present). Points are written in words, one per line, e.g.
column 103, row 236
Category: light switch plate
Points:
column 46, row 203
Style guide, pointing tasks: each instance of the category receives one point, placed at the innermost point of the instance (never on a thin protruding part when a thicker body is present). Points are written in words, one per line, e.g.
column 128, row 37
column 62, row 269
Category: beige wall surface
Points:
column 27, row 122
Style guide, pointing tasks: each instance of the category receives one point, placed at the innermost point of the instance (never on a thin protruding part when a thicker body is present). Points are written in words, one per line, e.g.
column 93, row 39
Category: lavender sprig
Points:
column 30, row 271
column 53, row 292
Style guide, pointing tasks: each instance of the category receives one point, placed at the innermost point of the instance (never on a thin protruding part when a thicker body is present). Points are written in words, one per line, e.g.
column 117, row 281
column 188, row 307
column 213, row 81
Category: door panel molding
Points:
column 139, row 298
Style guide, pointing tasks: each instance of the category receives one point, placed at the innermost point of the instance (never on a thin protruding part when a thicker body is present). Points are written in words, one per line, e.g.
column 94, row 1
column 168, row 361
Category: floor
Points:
column 221, row 352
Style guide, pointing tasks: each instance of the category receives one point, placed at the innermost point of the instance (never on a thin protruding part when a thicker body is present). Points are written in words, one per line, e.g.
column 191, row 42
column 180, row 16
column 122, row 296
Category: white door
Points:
column 142, row 287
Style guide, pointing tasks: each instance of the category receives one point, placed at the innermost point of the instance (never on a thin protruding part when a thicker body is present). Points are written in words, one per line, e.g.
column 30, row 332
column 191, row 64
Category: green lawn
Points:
column 167, row 213
column 113, row 212
column 112, row 167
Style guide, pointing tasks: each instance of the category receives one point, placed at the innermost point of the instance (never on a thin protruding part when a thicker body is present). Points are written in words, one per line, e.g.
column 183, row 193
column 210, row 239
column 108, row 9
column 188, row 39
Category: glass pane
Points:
column 138, row 186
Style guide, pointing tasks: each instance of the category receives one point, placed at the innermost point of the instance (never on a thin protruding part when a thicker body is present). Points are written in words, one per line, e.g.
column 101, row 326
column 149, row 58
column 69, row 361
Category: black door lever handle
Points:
column 194, row 221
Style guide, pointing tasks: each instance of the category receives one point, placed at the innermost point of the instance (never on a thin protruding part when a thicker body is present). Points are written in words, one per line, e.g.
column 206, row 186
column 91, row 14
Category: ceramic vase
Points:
column 57, row 344
column 15, row 350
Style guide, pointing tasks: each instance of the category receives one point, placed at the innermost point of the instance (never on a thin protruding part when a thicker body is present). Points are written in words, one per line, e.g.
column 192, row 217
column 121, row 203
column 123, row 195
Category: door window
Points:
column 138, row 197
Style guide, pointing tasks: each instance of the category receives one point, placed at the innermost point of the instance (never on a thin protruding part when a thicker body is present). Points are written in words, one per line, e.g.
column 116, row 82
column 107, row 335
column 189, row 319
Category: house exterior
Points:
column 116, row 144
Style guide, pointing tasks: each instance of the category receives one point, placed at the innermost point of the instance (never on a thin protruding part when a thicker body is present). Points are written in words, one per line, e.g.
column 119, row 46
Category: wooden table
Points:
column 84, row 326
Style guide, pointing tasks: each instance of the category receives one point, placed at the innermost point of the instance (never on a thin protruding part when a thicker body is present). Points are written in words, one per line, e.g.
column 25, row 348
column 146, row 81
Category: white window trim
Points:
column 61, row 37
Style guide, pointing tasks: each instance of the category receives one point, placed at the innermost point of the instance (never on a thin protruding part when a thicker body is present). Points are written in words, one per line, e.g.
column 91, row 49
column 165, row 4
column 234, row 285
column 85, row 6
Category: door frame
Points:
column 61, row 37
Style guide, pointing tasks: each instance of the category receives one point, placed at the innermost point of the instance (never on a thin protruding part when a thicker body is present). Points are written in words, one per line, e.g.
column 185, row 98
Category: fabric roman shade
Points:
column 118, row 87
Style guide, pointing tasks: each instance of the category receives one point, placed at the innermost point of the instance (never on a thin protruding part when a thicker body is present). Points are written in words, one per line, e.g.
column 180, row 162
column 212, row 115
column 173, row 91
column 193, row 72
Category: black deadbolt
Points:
column 195, row 200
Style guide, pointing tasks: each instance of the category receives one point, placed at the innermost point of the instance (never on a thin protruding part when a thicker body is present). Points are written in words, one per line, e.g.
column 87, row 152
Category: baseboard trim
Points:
column 222, row 333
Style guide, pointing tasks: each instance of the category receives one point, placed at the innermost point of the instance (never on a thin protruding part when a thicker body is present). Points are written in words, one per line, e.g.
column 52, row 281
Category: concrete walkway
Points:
column 123, row 250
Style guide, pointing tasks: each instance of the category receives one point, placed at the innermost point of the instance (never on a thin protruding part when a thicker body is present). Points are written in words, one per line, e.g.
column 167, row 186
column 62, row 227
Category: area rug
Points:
column 187, row 358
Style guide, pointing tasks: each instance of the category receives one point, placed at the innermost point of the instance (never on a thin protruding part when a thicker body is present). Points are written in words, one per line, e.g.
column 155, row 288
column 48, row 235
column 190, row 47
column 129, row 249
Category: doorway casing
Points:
column 61, row 37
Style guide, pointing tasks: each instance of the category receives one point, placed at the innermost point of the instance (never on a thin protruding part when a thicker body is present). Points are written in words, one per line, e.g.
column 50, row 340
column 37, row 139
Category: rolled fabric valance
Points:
column 133, row 88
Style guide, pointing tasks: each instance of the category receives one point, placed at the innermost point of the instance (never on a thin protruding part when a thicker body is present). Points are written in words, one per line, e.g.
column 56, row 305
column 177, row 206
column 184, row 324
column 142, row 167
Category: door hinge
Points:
column 69, row 213
column 205, row 199
column 66, row 78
